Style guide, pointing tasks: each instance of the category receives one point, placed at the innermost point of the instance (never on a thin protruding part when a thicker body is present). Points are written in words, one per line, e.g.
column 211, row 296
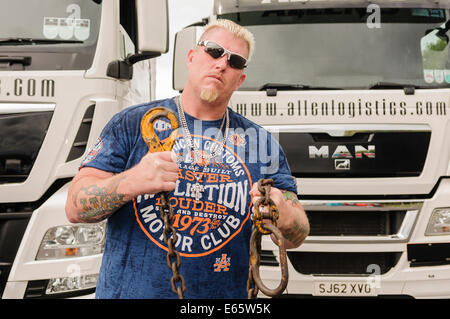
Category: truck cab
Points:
column 66, row 67
column 357, row 93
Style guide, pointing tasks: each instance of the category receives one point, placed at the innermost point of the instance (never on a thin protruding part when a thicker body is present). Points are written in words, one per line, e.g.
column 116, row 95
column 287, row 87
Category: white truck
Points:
column 66, row 66
column 358, row 94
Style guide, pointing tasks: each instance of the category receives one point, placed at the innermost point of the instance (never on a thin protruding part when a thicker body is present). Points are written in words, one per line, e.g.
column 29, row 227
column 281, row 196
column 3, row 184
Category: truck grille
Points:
column 361, row 223
column 367, row 151
column 324, row 263
column 335, row 221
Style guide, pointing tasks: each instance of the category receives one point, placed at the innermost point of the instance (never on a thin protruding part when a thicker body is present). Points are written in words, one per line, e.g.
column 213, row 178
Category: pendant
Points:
column 196, row 191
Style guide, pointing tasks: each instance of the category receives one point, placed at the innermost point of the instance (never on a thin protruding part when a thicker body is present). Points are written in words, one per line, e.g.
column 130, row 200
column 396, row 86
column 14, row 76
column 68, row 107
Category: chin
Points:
column 209, row 95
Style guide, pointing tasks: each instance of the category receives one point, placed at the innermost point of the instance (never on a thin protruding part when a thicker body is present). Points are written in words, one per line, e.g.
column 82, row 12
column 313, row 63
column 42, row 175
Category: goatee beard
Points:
column 209, row 95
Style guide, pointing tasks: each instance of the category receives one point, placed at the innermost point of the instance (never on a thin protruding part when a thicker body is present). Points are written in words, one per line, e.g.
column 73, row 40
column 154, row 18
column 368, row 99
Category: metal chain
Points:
column 255, row 254
column 169, row 233
column 259, row 228
column 170, row 238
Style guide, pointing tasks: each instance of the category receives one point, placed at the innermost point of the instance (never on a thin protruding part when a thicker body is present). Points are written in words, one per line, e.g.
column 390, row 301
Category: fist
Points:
column 156, row 172
column 275, row 195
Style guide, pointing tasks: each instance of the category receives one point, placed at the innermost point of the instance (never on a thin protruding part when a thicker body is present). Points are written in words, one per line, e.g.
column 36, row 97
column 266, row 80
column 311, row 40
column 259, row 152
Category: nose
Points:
column 221, row 62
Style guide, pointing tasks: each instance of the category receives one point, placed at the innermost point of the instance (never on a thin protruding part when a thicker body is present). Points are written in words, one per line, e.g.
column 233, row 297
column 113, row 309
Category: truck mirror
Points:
column 152, row 24
column 185, row 40
column 153, row 27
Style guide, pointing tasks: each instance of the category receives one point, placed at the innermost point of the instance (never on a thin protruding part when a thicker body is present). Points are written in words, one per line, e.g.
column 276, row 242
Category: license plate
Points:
column 347, row 288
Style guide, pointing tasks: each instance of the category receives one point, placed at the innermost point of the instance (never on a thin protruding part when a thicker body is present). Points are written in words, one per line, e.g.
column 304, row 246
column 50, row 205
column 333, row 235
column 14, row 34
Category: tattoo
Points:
column 290, row 196
column 99, row 202
column 298, row 231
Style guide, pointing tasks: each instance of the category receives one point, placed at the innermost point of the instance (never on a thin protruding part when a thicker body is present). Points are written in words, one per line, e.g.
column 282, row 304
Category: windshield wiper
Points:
column 409, row 89
column 272, row 88
column 30, row 41
column 390, row 85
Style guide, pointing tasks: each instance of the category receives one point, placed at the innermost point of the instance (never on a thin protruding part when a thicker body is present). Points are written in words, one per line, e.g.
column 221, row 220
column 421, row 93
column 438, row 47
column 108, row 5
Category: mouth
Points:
column 216, row 77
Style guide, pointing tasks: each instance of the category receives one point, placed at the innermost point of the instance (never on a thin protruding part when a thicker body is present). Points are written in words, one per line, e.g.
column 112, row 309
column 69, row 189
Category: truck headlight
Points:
column 69, row 284
column 68, row 241
column 439, row 223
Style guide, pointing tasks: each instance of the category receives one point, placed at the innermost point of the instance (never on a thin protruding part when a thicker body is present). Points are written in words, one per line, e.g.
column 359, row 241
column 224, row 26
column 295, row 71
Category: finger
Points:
column 168, row 156
column 255, row 199
column 170, row 177
column 254, row 191
column 174, row 157
column 164, row 165
column 168, row 186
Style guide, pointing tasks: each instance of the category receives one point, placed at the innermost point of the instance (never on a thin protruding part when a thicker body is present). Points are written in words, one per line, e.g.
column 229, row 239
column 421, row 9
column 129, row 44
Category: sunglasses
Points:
column 216, row 51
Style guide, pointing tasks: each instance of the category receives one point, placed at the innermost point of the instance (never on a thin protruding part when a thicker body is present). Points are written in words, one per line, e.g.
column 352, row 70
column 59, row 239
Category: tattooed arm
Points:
column 95, row 195
column 292, row 220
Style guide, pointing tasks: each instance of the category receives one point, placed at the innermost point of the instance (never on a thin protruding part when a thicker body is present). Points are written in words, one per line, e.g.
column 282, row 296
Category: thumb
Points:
column 254, row 191
column 168, row 156
column 173, row 156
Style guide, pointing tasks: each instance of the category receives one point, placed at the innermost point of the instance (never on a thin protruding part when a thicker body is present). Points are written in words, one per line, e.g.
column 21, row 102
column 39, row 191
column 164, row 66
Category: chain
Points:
column 259, row 228
column 190, row 142
column 173, row 257
column 169, row 233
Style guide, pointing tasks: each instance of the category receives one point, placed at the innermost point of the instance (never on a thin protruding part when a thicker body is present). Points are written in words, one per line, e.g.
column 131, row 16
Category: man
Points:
column 210, row 175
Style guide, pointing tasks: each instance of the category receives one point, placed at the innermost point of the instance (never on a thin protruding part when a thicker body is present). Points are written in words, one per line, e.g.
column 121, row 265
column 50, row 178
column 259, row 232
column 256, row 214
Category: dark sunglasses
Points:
column 216, row 51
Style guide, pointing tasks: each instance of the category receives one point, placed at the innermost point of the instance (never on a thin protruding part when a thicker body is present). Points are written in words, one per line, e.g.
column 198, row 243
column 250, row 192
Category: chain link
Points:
column 259, row 228
column 170, row 238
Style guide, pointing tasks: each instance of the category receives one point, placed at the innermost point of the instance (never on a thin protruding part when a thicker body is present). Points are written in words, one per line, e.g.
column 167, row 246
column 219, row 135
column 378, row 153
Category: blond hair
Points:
column 235, row 29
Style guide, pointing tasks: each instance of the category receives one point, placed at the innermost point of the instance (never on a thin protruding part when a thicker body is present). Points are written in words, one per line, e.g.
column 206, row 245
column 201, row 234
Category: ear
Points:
column 190, row 57
column 241, row 80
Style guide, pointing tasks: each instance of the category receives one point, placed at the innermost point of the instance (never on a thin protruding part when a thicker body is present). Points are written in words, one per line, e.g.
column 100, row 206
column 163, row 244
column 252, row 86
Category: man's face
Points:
column 213, row 79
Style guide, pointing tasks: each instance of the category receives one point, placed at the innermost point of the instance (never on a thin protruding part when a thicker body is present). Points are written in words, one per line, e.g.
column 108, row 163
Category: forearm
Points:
column 293, row 222
column 93, row 199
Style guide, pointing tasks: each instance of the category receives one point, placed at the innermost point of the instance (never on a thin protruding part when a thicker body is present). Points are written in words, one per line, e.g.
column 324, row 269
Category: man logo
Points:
column 342, row 164
column 342, row 151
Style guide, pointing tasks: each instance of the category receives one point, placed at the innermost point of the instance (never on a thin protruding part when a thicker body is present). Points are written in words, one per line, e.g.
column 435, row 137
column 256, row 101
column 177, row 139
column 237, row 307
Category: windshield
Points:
column 346, row 47
column 67, row 29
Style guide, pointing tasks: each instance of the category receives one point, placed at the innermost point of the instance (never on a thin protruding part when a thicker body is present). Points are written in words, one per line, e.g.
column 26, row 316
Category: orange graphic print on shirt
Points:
column 206, row 225
column 222, row 263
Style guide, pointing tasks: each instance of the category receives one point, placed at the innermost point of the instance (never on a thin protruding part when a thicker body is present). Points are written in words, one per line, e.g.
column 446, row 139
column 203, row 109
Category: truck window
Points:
column 343, row 48
column 56, row 34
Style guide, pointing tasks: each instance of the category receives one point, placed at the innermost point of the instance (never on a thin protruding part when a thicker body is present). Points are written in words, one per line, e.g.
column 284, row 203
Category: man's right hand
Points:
column 156, row 172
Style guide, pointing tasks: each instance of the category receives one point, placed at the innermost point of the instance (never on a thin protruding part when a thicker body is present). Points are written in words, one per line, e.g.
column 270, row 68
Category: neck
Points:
column 201, row 109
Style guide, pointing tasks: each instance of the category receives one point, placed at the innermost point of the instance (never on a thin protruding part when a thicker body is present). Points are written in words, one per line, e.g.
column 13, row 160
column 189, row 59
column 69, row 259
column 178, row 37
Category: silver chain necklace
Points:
column 197, row 189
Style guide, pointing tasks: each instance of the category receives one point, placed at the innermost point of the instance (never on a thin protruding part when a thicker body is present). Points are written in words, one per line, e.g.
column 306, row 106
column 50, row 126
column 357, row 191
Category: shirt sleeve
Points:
column 110, row 151
column 278, row 169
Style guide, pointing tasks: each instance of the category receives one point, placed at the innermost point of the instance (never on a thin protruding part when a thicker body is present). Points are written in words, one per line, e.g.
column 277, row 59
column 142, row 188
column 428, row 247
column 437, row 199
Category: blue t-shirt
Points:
column 213, row 233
